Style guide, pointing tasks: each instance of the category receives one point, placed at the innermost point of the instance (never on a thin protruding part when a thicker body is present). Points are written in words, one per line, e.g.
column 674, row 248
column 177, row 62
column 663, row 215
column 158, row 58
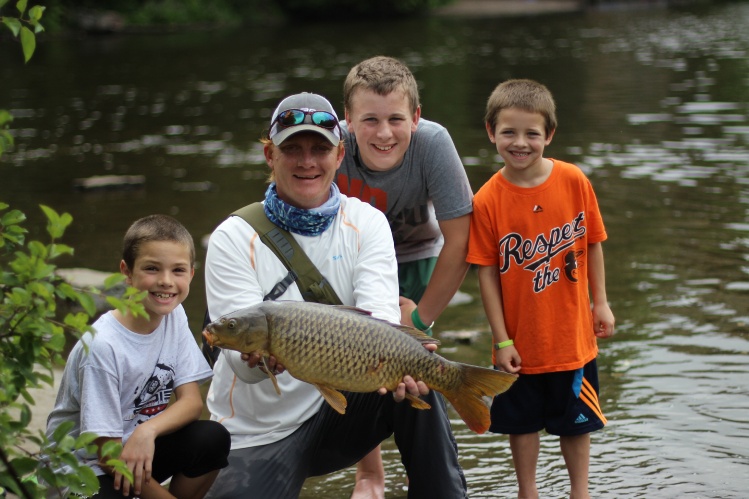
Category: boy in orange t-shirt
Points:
column 536, row 235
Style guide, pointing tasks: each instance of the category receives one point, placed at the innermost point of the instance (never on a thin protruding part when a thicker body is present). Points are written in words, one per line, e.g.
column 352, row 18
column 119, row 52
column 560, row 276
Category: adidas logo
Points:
column 581, row 419
column 537, row 209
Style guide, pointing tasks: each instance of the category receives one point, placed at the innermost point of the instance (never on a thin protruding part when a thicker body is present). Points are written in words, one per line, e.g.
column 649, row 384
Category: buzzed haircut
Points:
column 527, row 95
column 382, row 75
column 155, row 228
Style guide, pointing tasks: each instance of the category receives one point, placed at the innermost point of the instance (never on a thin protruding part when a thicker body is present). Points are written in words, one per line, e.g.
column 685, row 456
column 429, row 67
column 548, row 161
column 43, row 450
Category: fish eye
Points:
column 231, row 324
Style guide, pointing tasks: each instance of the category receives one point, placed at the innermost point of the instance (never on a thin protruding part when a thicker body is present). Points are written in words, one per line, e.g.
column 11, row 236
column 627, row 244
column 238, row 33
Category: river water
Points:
column 652, row 104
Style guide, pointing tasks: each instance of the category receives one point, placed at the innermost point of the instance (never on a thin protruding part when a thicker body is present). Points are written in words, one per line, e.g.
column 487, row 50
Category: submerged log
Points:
column 100, row 21
column 109, row 182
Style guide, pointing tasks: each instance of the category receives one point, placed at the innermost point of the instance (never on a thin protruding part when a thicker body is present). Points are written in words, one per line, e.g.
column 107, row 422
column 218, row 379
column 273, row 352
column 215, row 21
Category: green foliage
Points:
column 25, row 27
column 6, row 139
column 32, row 339
column 21, row 27
column 32, row 335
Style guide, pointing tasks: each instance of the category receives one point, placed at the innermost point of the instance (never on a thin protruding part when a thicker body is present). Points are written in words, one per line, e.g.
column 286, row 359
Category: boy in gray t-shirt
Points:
column 117, row 383
column 408, row 168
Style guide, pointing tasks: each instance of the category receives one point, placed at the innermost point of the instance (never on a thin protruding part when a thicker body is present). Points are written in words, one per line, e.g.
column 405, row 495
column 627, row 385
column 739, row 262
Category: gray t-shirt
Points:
column 429, row 185
column 125, row 378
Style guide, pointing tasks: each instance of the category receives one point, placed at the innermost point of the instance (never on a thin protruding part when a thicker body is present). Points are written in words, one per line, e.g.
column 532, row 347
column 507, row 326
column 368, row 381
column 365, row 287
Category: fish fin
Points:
column 352, row 309
column 271, row 376
column 416, row 402
column 468, row 397
column 333, row 397
column 417, row 334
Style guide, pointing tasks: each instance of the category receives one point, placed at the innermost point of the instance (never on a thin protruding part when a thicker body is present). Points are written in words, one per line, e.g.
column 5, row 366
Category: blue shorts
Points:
column 563, row 403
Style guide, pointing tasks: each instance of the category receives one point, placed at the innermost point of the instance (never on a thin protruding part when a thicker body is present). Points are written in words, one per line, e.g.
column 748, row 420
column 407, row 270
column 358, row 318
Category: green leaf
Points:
column 66, row 291
column 68, row 458
column 114, row 280
column 111, row 449
column 46, row 378
column 121, row 467
column 56, row 342
column 13, row 217
column 66, row 219
column 28, row 42
column 57, row 250
column 35, row 13
column 78, row 321
column 85, row 439
column 87, row 483
column 38, row 28
column 88, row 304
column 62, row 430
column 2, row 3
column 24, row 465
column 37, row 249
column 47, row 475
column 13, row 24
column 129, row 304
column 21, row 6
column 56, row 223
column 5, row 118
column 52, row 216
column 6, row 141
column 36, row 440
column 25, row 414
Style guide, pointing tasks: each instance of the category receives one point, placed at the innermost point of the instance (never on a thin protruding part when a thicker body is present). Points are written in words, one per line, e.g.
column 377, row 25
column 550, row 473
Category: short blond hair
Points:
column 382, row 75
column 527, row 95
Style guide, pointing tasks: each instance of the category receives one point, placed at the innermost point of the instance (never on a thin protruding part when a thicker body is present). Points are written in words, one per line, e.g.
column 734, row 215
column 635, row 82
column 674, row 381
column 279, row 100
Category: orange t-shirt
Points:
column 539, row 237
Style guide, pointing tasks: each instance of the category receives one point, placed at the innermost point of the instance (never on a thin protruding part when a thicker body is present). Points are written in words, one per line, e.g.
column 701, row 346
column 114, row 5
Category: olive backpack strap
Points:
column 311, row 283
column 313, row 286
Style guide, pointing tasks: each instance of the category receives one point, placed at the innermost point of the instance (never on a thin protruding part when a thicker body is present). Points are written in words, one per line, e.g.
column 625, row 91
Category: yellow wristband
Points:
column 503, row 344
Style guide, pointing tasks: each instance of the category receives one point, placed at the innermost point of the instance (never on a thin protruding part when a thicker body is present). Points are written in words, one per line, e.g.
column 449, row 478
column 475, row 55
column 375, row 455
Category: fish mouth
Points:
column 210, row 338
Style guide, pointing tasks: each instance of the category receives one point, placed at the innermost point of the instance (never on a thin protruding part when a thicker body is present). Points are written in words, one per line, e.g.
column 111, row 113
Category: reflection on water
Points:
column 652, row 105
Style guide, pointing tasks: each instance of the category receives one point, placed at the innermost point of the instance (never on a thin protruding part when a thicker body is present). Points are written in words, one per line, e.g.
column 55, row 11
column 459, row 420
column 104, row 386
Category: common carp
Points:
column 336, row 347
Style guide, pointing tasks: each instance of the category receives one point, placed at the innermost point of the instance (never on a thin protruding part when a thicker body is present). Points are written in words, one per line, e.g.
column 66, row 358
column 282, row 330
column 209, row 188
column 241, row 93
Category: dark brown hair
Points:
column 527, row 95
column 155, row 228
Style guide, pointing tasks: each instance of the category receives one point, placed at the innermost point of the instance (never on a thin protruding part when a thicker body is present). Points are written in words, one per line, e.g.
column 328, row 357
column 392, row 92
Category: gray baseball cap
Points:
column 299, row 113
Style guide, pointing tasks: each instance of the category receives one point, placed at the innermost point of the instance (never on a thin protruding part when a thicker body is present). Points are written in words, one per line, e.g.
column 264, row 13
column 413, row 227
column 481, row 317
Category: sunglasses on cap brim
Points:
column 293, row 117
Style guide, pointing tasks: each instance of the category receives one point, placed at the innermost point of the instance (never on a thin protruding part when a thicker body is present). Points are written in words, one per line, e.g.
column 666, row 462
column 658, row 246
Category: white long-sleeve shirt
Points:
column 356, row 256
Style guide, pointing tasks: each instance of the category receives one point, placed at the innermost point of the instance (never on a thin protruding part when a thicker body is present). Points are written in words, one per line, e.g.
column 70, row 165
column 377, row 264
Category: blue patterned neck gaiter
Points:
column 304, row 222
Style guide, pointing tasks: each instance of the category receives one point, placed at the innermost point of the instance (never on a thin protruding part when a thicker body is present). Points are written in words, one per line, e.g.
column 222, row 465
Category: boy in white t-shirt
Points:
column 117, row 382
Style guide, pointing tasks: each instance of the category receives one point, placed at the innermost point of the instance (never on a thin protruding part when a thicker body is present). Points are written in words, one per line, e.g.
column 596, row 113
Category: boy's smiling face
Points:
column 382, row 126
column 163, row 269
column 520, row 137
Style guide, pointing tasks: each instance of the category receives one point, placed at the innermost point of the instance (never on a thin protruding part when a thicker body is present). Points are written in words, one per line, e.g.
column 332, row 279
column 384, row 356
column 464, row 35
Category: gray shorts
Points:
column 329, row 442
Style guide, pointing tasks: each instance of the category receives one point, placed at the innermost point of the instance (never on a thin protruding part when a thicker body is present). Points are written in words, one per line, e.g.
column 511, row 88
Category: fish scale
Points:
column 364, row 343
column 338, row 347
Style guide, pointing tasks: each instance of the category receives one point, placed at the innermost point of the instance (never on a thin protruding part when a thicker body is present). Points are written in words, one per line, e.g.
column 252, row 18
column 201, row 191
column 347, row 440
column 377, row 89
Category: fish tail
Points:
column 467, row 397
